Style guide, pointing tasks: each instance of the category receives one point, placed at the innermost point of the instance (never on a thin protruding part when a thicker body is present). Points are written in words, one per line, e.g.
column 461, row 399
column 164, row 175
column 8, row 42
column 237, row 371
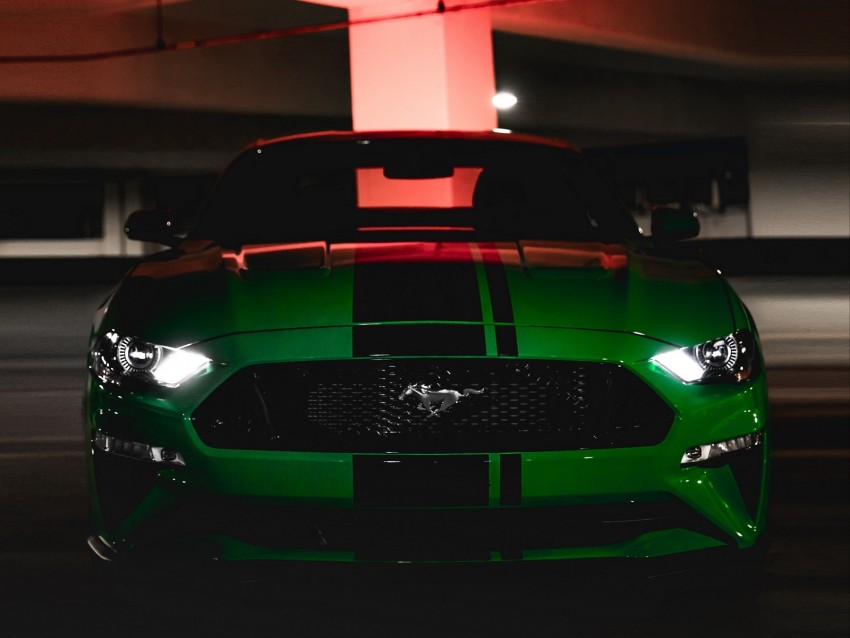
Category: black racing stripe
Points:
column 500, row 300
column 447, row 340
column 510, row 479
column 416, row 292
column 426, row 292
column 506, row 344
column 420, row 481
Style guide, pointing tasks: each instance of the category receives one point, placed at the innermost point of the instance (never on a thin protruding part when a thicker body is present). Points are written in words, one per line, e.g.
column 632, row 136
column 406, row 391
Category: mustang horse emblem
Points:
column 435, row 401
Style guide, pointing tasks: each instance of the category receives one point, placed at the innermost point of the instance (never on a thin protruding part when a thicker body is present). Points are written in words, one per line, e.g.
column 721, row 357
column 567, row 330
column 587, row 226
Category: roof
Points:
column 500, row 135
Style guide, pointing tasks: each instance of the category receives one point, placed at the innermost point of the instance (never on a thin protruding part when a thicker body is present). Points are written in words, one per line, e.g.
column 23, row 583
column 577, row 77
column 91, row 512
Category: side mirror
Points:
column 672, row 224
column 158, row 226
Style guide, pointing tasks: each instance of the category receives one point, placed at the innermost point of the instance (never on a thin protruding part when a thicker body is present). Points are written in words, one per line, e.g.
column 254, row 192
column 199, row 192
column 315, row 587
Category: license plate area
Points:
column 421, row 481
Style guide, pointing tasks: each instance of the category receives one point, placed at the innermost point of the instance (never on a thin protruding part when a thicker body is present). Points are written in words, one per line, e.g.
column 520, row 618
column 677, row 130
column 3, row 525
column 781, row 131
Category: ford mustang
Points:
column 397, row 349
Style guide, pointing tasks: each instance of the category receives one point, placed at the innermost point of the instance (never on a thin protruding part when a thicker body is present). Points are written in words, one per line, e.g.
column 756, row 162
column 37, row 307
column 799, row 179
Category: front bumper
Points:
column 570, row 505
column 698, row 569
column 531, row 507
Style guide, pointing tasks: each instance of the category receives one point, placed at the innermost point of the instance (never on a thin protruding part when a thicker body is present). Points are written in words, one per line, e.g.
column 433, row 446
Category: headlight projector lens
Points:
column 720, row 354
column 137, row 356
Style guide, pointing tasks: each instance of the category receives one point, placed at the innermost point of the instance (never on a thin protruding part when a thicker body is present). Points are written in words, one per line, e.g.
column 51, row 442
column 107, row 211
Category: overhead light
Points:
column 504, row 100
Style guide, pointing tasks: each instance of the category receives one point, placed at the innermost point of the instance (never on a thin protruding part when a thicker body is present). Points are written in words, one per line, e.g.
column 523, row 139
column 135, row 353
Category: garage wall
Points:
column 189, row 112
column 799, row 139
column 299, row 75
column 796, row 123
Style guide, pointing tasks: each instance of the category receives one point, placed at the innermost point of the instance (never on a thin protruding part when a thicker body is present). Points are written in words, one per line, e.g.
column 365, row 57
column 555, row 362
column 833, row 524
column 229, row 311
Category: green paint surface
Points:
column 623, row 317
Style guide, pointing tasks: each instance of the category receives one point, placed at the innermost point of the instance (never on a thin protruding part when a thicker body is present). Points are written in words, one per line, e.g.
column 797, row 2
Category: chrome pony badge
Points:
column 435, row 401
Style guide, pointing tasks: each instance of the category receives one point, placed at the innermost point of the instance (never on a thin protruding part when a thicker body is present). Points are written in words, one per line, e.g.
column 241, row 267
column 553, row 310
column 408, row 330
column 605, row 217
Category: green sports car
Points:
column 392, row 349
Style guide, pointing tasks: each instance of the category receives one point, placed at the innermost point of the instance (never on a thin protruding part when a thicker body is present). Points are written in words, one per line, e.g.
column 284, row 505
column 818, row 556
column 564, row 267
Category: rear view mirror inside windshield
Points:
column 419, row 169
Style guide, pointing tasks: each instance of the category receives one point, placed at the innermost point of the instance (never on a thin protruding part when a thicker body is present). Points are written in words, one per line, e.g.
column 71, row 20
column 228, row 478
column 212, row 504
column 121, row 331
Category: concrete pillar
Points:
column 431, row 72
column 418, row 72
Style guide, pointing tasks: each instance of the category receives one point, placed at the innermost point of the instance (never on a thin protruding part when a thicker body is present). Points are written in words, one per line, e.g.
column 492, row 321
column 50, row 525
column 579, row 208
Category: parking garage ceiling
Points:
column 686, row 69
column 743, row 35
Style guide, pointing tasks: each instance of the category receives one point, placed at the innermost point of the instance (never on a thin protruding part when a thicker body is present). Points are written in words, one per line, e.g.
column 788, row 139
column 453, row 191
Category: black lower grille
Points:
column 424, row 534
column 433, row 405
column 122, row 483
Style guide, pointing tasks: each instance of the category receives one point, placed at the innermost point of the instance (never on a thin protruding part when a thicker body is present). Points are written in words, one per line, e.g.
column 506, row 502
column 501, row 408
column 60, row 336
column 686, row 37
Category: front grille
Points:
column 373, row 406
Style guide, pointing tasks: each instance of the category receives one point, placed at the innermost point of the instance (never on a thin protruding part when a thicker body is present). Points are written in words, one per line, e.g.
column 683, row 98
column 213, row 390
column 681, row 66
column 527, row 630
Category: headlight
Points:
column 115, row 358
column 729, row 359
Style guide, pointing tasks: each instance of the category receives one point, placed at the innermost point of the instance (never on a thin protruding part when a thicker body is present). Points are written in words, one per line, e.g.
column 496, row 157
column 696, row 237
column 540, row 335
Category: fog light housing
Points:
column 702, row 453
column 138, row 451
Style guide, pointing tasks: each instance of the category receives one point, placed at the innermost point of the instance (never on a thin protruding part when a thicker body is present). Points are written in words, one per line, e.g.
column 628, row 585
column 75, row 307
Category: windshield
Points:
column 384, row 189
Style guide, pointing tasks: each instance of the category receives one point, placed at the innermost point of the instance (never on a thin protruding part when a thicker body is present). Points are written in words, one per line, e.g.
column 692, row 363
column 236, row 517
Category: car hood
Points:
column 202, row 292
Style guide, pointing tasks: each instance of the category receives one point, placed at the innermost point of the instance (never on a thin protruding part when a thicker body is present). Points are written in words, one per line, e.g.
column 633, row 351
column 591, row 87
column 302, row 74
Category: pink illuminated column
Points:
column 432, row 72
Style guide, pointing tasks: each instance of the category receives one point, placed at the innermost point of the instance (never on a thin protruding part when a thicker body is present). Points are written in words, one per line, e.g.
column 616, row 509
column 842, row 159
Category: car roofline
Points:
column 494, row 135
